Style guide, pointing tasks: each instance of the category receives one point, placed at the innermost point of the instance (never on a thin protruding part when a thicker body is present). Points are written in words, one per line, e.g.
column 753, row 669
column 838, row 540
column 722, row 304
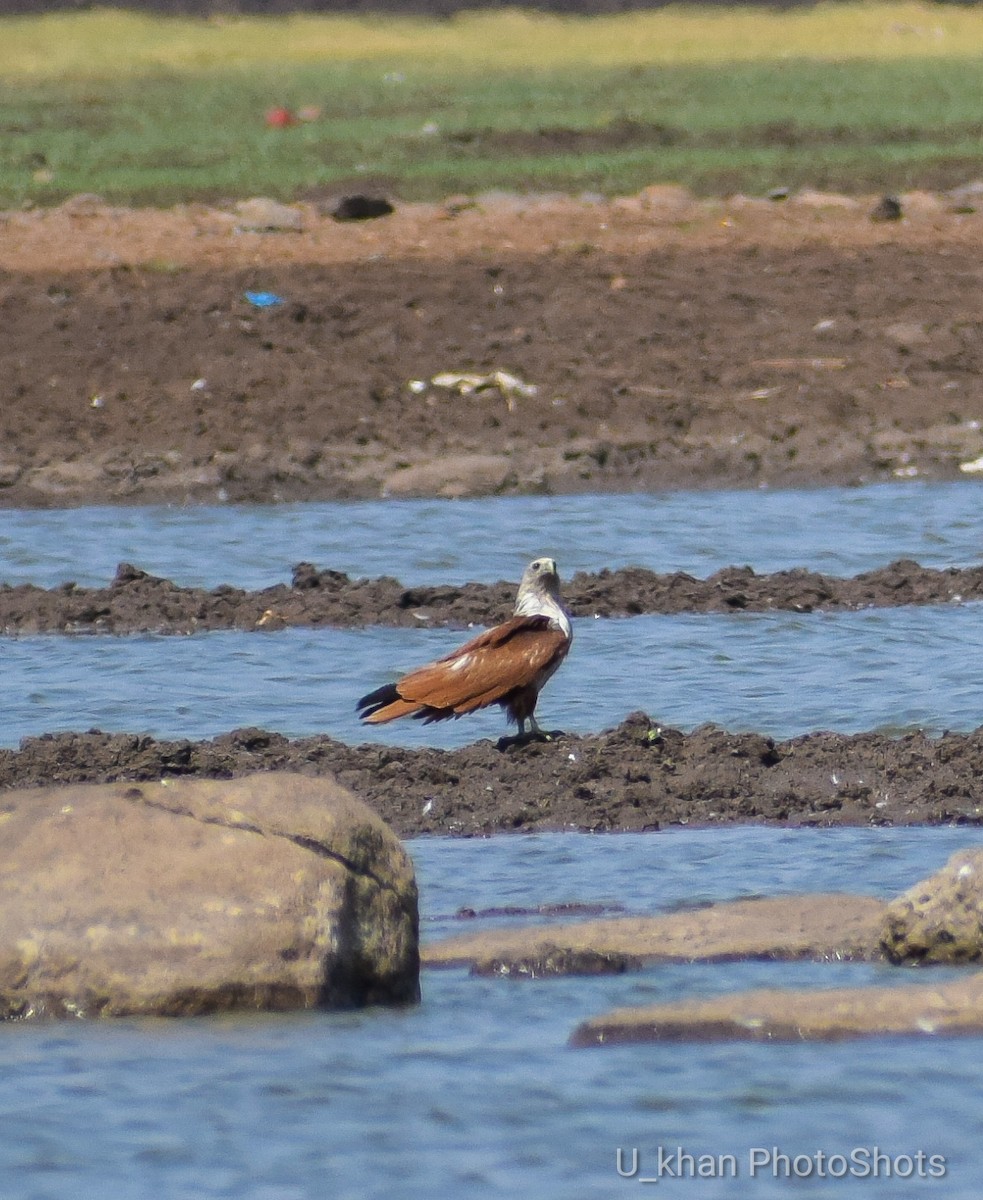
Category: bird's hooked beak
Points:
column 544, row 566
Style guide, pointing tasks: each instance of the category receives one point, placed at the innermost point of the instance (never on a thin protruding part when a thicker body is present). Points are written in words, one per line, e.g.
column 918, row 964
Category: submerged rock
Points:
column 274, row 891
column 776, row 1015
column 785, row 927
column 940, row 919
column 549, row 959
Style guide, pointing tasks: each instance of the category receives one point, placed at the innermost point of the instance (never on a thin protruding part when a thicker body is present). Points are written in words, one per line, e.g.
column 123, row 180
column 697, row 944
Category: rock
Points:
column 807, row 198
column 973, row 190
column 453, row 476
column 888, row 208
column 60, row 478
column 939, row 920
column 85, row 204
column 260, row 215
column 921, row 203
column 668, row 200
column 966, row 198
column 784, row 927
column 274, row 891
column 907, row 333
column 772, row 1015
column 555, row 960
column 361, row 208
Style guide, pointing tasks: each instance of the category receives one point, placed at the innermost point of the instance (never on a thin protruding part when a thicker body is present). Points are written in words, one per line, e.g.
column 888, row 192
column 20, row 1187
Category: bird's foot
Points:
column 532, row 735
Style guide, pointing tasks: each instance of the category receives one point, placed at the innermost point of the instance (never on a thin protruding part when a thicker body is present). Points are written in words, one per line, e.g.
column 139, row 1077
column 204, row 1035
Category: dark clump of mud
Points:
column 637, row 776
column 137, row 602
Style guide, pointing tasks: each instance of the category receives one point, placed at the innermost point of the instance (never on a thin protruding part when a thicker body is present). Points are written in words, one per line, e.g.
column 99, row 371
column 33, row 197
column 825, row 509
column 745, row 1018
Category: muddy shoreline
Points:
column 137, row 602
column 635, row 777
column 663, row 342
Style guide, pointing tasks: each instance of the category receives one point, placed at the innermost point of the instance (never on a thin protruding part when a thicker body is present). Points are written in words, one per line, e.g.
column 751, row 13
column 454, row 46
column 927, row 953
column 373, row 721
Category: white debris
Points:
column 466, row 384
column 972, row 467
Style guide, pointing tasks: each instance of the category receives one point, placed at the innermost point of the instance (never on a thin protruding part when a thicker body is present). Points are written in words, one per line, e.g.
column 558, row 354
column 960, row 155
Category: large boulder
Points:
column 276, row 891
column 940, row 919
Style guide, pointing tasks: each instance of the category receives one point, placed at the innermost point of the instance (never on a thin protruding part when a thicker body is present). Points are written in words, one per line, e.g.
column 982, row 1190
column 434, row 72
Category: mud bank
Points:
column 634, row 777
column 665, row 342
column 137, row 602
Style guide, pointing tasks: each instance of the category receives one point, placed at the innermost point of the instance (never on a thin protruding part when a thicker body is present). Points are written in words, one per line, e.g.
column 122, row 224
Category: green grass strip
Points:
column 152, row 110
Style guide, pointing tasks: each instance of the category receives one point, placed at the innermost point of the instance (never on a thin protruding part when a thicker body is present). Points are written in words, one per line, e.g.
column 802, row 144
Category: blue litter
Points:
column 263, row 299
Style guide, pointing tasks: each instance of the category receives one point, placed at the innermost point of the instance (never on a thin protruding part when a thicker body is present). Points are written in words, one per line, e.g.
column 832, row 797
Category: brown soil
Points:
column 672, row 343
column 136, row 602
column 634, row 777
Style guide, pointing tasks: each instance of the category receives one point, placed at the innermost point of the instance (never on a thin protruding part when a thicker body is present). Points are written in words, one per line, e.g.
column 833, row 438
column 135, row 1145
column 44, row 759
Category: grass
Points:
column 152, row 110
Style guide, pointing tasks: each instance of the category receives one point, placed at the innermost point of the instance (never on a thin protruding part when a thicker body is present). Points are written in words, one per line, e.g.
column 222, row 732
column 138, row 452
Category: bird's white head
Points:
column 539, row 593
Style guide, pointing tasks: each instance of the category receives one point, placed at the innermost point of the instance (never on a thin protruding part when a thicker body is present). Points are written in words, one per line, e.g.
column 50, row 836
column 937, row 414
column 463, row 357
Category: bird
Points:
column 507, row 665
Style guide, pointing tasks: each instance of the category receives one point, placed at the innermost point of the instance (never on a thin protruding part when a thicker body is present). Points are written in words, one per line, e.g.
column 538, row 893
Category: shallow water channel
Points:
column 475, row 1093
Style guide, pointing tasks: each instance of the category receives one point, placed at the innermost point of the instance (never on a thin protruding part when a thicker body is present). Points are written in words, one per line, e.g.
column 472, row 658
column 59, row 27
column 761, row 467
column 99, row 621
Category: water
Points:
column 840, row 531
column 892, row 669
column 778, row 673
column 475, row 1093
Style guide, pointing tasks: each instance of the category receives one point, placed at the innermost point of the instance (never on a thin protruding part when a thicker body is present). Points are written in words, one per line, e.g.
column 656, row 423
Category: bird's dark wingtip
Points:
column 375, row 700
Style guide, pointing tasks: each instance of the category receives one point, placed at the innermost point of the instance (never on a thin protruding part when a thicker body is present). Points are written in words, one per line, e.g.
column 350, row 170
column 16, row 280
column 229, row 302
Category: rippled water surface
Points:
column 836, row 530
column 781, row 673
column 475, row 1093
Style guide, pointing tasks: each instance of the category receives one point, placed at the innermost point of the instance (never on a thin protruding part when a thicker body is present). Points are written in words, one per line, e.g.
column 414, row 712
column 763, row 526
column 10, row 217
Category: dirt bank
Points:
column 670, row 343
column 137, row 602
column 634, row 777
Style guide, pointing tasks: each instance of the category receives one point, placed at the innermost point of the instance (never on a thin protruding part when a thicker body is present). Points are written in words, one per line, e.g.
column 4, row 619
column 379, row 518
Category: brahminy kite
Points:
column 507, row 665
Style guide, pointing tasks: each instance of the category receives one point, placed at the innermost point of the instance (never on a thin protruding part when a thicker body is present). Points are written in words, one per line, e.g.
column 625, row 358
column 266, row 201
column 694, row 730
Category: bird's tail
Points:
column 384, row 704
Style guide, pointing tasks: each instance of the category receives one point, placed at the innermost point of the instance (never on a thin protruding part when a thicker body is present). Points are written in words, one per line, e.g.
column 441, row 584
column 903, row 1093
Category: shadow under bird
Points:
column 507, row 665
